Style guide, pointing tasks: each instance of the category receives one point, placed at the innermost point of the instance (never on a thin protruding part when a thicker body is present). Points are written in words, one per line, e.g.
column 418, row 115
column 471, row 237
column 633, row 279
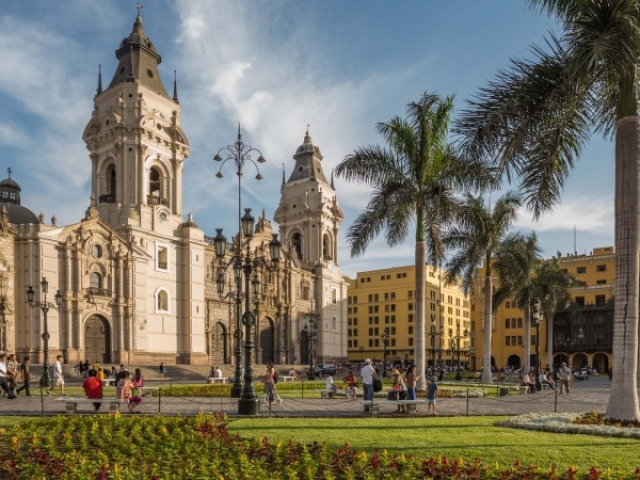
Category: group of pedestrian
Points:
column 404, row 386
column 11, row 372
column 128, row 389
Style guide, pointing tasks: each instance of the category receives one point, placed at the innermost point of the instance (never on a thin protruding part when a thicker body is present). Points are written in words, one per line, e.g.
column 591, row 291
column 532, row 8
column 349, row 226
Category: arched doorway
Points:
column 219, row 344
column 600, row 363
column 304, row 348
column 514, row 361
column 559, row 359
column 579, row 360
column 97, row 340
column 267, row 341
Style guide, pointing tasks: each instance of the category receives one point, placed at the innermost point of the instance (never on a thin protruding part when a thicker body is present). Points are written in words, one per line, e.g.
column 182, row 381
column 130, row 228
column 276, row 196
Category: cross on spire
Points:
column 139, row 8
column 9, row 171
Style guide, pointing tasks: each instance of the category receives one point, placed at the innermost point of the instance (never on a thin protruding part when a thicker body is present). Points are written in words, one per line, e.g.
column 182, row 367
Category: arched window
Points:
column 154, row 182
column 326, row 247
column 334, row 323
column 162, row 301
column 296, row 243
column 112, row 181
column 95, row 281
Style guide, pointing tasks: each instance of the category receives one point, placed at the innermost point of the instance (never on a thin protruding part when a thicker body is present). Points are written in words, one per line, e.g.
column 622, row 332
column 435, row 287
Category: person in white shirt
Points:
column 58, row 378
column 4, row 378
column 217, row 373
column 367, row 373
column 330, row 386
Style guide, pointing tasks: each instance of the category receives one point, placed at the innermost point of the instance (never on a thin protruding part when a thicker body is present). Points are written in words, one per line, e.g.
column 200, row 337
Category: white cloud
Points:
column 583, row 212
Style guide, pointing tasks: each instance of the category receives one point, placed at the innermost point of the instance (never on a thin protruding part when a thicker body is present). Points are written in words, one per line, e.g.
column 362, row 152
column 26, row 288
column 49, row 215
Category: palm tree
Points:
column 516, row 264
column 534, row 119
column 477, row 237
column 553, row 286
column 414, row 180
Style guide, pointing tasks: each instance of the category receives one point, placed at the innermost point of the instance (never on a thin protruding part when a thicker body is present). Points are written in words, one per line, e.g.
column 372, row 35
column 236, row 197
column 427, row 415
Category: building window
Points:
column 601, row 268
column 410, row 295
column 334, row 296
column 520, row 323
column 601, row 282
column 162, row 301
column 507, row 322
column 581, row 270
column 393, row 319
column 600, row 300
column 162, row 257
column 411, row 341
column 410, row 307
column 370, row 342
column 507, row 341
column 95, row 281
column 580, row 301
column 520, row 340
column 334, row 323
column 410, row 330
column 410, row 318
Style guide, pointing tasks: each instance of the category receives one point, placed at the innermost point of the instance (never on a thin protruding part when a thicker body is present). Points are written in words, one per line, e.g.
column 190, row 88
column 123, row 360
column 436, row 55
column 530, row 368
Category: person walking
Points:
column 25, row 376
column 432, row 394
column 270, row 394
column 565, row 379
column 161, row 370
column 367, row 373
column 58, row 377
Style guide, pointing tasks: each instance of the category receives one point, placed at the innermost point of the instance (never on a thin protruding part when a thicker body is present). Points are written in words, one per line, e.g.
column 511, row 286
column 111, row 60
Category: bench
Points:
column 217, row 379
column 71, row 403
column 412, row 405
column 341, row 391
column 108, row 382
column 286, row 378
column 524, row 389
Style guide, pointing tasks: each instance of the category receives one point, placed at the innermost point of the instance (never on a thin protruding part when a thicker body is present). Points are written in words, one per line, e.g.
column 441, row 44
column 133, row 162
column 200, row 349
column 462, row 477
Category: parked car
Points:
column 326, row 369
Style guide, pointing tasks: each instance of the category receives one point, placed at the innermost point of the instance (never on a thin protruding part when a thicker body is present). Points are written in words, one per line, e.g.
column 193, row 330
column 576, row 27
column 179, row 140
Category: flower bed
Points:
column 129, row 447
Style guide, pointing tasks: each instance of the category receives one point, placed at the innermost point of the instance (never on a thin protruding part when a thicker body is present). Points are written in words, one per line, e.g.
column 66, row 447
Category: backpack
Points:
column 556, row 376
column 275, row 376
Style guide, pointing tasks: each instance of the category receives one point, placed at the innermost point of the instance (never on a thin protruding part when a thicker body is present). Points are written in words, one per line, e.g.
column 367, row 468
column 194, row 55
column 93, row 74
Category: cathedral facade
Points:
column 137, row 281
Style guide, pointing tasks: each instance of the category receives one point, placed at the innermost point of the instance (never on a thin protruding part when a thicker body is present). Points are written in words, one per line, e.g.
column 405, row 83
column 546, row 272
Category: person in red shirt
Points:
column 93, row 387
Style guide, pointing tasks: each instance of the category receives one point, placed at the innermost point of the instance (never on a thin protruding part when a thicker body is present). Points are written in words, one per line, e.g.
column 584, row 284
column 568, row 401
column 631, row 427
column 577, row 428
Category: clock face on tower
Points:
column 163, row 217
column 330, row 266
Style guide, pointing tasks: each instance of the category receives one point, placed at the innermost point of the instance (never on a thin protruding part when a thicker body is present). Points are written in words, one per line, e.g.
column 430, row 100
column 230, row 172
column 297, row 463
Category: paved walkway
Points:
column 591, row 395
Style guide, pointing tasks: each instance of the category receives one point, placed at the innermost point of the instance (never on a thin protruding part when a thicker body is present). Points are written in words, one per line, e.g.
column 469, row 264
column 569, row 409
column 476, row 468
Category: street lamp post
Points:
column 310, row 332
column 385, row 343
column 236, row 390
column 536, row 316
column 44, row 305
column 458, row 339
column 240, row 154
column 433, row 334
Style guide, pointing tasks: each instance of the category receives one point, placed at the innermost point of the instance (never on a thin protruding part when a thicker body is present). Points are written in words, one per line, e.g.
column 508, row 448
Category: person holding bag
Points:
column 398, row 390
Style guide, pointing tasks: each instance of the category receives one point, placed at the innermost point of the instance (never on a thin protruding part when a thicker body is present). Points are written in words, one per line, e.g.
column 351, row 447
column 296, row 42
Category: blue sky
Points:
column 275, row 67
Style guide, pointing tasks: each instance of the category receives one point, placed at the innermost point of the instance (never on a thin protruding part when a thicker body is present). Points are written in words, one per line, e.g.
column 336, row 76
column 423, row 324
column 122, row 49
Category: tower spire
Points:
column 99, row 89
column 283, row 179
column 332, row 184
column 175, row 87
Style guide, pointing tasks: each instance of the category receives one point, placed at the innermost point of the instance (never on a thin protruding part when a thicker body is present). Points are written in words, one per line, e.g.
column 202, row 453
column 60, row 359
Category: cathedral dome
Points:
column 18, row 214
column 10, row 200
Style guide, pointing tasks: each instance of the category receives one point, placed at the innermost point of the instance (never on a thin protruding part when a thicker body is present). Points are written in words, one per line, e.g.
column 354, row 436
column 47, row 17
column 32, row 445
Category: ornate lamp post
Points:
column 248, row 403
column 458, row 339
column 3, row 308
column 44, row 305
column 240, row 154
column 385, row 343
column 311, row 334
column 236, row 390
column 433, row 333
column 536, row 317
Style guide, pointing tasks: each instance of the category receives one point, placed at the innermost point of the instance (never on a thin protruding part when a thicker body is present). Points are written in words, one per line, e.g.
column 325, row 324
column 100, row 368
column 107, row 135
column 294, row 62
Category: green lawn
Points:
column 455, row 437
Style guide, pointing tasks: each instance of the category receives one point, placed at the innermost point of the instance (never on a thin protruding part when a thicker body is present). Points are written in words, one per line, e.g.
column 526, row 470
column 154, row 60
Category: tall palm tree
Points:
column 516, row 264
column 414, row 179
column 534, row 119
column 477, row 237
column 553, row 286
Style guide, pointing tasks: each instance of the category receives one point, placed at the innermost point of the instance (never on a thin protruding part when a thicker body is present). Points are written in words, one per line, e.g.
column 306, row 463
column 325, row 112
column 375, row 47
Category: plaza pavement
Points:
column 587, row 396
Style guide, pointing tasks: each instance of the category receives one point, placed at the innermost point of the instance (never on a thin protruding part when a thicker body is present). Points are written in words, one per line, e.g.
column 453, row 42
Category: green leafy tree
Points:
column 414, row 179
column 534, row 119
column 477, row 239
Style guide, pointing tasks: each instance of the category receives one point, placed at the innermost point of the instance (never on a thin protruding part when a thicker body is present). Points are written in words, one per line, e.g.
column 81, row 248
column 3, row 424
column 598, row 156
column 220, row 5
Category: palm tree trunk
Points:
column 623, row 399
column 527, row 337
column 487, row 375
column 549, row 320
column 419, row 355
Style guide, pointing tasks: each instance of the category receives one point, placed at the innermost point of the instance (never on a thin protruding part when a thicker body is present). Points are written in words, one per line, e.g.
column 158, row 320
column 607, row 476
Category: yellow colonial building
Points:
column 581, row 334
column 381, row 309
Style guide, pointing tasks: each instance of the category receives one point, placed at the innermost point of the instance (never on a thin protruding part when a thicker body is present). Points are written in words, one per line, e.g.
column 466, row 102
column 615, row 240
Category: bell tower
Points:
column 308, row 214
column 136, row 143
